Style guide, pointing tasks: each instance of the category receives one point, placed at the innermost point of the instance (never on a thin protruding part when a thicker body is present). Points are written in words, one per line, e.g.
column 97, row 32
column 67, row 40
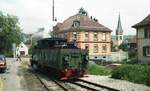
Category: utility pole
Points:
column 53, row 11
column 53, row 18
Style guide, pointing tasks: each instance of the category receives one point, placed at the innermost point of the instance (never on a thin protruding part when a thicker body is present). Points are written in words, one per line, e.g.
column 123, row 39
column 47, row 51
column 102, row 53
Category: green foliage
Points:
column 124, row 47
column 133, row 61
column 133, row 73
column 98, row 70
column 10, row 33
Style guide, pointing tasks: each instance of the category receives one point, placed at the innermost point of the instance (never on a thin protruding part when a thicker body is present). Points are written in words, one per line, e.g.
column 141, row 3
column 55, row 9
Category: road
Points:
column 11, row 79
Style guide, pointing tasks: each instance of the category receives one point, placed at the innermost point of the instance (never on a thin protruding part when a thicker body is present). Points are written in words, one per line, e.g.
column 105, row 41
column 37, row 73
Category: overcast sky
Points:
column 34, row 14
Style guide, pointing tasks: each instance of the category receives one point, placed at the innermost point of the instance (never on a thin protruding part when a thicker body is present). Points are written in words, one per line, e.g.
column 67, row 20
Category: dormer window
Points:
column 76, row 24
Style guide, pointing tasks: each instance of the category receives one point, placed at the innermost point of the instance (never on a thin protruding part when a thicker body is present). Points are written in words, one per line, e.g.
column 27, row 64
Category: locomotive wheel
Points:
column 34, row 66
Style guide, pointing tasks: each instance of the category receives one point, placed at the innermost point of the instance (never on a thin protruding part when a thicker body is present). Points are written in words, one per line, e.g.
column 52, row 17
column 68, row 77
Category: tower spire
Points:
column 119, row 26
column 119, row 32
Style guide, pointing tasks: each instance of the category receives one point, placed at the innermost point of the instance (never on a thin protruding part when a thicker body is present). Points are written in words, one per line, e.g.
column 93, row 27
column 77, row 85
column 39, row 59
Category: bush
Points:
column 133, row 73
column 98, row 70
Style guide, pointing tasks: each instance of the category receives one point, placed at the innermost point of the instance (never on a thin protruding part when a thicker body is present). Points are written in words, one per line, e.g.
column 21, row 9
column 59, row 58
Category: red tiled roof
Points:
column 144, row 22
column 86, row 23
column 59, row 25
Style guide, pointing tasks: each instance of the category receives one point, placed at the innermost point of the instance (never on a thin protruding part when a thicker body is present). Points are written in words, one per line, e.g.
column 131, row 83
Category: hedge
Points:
column 134, row 73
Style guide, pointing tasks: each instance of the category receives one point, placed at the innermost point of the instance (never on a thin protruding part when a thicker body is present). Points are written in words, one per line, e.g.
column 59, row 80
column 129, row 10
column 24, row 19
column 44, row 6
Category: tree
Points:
column 10, row 32
column 124, row 46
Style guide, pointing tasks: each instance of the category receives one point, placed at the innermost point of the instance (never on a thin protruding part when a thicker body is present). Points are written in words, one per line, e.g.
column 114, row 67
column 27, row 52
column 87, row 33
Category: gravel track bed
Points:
column 30, row 81
column 91, row 86
column 77, row 88
column 50, row 84
column 121, row 85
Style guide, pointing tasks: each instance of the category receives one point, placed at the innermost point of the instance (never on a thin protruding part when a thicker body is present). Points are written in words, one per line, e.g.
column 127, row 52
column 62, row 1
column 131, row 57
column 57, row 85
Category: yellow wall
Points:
column 81, row 42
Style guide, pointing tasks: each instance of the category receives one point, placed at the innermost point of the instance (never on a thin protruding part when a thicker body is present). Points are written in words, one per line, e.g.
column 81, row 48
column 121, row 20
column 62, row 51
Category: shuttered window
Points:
column 147, row 32
column 86, row 36
column 95, row 48
column 104, row 47
column 95, row 36
column 146, row 51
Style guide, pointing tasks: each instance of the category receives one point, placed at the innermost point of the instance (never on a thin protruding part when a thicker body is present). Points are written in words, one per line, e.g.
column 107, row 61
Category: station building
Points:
column 87, row 33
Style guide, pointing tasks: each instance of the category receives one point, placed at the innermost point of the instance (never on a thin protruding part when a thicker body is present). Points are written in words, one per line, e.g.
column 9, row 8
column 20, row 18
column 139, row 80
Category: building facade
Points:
column 143, row 40
column 86, row 33
column 22, row 50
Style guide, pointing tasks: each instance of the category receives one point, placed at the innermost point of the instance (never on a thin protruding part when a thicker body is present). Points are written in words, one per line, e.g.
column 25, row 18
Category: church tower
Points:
column 119, row 32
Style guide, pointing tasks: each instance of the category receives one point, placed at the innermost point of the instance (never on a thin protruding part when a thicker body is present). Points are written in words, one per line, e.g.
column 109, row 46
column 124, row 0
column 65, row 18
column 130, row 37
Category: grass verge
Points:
column 98, row 70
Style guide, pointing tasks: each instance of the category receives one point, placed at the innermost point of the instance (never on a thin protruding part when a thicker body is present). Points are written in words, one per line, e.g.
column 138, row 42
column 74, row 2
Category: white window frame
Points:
column 86, row 36
column 148, row 51
column 104, row 36
column 74, row 35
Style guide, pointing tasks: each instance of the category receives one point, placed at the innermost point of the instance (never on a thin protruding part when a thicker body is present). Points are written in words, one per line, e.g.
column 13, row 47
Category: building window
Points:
column 116, row 37
column 146, row 51
column 147, row 32
column 95, row 36
column 86, row 46
column 104, row 36
column 95, row 48
column 74, row 35
column 76, row 24
column 120, row 37
column 104, row 47
column 86, row 36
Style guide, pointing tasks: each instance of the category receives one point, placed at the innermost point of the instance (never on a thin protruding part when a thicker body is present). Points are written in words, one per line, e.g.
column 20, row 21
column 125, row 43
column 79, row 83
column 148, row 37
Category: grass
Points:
column 94, row 69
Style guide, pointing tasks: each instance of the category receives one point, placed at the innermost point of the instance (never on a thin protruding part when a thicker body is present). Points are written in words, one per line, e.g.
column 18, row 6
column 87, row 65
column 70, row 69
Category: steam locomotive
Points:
column 63, row 59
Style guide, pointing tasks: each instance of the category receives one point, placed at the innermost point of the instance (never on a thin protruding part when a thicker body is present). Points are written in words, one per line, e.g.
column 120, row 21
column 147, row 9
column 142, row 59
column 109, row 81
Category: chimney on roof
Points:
column 95, row 20
column 82, row 12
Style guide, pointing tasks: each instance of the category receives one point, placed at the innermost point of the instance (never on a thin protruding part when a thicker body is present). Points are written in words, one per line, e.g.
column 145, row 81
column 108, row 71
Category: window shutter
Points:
column 144, row 51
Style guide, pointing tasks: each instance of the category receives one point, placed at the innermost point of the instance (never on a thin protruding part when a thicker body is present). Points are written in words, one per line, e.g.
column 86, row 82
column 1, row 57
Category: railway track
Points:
column 54, row 85
column 51, row 84
column 57, row 85
column 92, row 86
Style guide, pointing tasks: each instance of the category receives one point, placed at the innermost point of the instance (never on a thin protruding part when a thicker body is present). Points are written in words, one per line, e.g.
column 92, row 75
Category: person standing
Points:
column 18, row 58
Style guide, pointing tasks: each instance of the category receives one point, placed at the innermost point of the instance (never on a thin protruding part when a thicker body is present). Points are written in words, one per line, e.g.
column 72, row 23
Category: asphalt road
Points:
column 11, row 79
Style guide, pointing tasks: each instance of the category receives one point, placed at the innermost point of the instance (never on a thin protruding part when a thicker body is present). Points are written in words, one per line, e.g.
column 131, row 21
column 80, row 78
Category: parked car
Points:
column 3, row 64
